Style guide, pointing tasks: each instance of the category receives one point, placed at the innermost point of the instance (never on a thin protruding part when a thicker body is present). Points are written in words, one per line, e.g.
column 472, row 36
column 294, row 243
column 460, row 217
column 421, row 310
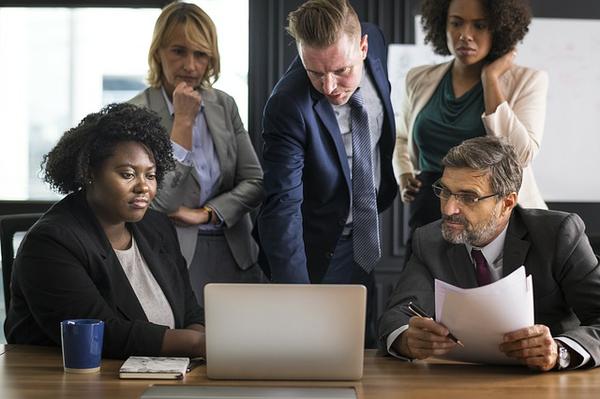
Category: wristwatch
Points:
column 209, row 212
column 564, row 357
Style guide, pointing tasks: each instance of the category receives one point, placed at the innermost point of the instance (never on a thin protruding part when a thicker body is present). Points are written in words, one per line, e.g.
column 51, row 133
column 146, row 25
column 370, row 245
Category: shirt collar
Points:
column 493, row 250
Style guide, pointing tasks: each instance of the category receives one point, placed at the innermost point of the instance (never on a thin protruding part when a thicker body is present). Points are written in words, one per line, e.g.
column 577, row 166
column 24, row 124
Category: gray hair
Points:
column 320, row 23
column 492, row 155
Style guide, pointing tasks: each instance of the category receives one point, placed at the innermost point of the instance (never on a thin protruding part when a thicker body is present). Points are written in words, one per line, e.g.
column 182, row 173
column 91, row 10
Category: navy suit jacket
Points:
column 306, row 171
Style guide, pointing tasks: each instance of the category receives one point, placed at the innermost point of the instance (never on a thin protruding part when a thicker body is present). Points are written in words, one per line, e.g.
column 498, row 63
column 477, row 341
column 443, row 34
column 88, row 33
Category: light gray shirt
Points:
column 146, row 288
column 374, row 108
column 203, row 157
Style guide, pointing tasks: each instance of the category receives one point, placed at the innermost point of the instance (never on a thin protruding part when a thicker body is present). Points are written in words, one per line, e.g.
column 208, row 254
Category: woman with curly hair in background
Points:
column 100, row 253
column 479, row 92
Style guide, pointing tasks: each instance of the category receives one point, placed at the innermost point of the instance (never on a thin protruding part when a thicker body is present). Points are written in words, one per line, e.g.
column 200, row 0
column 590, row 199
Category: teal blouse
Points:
column 447, row 121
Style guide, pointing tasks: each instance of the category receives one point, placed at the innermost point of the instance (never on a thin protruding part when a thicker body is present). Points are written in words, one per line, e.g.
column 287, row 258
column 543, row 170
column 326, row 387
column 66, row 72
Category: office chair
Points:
column 595, row 242
column 9, row 226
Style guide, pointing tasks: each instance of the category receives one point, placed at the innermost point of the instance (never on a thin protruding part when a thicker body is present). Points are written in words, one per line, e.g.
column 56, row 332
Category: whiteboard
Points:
column 567, row 167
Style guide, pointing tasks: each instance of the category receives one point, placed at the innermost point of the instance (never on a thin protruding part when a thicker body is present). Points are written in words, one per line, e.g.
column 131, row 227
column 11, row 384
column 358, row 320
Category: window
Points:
column 59, row 64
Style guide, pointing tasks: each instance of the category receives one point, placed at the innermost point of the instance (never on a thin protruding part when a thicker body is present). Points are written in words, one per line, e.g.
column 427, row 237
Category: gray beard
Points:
column 473, row 236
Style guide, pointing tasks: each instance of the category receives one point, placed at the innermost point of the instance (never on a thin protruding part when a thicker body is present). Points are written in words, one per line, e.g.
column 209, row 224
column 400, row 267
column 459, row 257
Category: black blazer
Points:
column 66, row 269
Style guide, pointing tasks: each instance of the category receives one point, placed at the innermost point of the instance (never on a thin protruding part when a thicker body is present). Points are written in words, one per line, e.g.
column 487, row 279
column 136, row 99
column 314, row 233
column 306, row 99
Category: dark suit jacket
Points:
column 556, row 253
column 306, row 172
column 66, row 269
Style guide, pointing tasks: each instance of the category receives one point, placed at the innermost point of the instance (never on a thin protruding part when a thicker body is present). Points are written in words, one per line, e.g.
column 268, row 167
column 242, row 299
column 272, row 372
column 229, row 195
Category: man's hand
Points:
column 409, row 187
column 185, row 216
column 534, row 346
column 423, row 338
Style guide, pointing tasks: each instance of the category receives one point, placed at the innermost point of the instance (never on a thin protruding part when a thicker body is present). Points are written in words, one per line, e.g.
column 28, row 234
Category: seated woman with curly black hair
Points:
column 479, row 92
column 100, row 253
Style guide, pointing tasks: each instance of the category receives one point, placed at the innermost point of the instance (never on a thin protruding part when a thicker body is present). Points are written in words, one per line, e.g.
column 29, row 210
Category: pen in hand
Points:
column 412, row 309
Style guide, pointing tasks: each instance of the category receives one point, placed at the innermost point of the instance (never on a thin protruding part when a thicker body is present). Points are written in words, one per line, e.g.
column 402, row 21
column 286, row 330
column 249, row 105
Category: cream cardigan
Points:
column 520, row 119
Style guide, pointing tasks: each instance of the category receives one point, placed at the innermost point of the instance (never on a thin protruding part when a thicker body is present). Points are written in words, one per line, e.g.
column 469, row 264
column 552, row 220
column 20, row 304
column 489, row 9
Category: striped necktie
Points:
column 365, row 219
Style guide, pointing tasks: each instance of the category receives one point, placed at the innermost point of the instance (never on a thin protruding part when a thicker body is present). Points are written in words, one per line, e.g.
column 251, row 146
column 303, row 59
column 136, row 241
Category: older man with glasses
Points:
column 483, row 236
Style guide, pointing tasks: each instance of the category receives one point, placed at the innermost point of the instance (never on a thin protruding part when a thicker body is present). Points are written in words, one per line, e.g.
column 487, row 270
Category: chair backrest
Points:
column 595, row 242
column 9, row 226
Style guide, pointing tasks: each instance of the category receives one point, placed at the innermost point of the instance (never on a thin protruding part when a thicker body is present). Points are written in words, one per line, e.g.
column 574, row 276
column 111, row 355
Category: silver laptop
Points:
column 285, row 331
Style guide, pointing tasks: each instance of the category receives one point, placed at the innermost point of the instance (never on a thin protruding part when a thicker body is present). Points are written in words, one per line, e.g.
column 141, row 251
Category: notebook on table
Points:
column 146, row 367
column 285, row 331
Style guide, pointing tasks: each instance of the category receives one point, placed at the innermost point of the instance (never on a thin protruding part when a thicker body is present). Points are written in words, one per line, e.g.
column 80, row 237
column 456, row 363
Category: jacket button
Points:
column 329, row 255
column 342, row 222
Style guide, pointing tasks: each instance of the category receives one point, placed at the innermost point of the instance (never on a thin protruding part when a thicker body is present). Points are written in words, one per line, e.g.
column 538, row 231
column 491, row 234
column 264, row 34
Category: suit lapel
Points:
column 221, row 136
column 515, row 247
column 156, row 101
column 121, row 291
column 124, row 295
column 381, row 84
column 325, row 112
column 150, row 247
column 461, row 266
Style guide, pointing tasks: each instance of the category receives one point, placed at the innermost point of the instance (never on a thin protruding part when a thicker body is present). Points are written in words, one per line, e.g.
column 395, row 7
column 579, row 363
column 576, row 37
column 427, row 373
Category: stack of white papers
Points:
column 479, row 317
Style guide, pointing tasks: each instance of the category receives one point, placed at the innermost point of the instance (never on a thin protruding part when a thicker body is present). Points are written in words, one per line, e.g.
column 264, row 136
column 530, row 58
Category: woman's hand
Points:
column 186, row 104
column 409, row 187
column 185, row 216
column 497, row 68
column 188, row 342
column 490, row 74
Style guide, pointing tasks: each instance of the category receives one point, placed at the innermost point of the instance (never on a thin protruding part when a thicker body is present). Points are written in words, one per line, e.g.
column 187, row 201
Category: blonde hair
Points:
column 199, row 30
column 320, row 23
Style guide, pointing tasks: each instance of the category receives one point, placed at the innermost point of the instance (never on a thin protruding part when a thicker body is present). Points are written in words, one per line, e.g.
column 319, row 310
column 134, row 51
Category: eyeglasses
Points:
column 468, row 199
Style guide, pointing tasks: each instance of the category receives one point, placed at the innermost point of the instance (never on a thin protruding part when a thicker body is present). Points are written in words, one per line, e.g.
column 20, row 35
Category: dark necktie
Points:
column 365, row 219
column 482, row 269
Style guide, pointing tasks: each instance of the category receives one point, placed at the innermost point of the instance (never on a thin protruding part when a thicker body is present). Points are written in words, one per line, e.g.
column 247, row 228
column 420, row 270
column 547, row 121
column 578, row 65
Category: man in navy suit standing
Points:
column 329, row 134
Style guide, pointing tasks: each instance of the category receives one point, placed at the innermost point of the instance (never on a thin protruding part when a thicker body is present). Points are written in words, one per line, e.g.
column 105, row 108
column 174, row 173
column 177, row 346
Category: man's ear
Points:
column 509, row 202
column 364, row 46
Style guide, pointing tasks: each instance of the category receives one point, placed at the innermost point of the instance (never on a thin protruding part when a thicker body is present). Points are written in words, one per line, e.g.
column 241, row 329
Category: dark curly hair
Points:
column 508, row 21
column 82, row 149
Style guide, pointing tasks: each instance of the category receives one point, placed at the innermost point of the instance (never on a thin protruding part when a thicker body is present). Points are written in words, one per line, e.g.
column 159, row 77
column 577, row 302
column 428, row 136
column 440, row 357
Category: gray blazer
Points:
column 240, row 188
column 555, row 251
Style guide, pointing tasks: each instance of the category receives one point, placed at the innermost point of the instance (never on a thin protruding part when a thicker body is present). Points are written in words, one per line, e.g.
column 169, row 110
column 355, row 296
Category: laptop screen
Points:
column 285, row 331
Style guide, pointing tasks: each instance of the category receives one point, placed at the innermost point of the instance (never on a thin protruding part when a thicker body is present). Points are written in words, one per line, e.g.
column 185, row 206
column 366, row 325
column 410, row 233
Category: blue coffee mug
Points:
column 82, row 345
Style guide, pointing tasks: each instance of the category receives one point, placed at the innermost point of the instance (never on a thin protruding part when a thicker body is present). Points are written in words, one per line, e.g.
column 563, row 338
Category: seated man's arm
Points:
column 577, row 270
column 413, row 337
column 422, row 339
column 280, row 220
